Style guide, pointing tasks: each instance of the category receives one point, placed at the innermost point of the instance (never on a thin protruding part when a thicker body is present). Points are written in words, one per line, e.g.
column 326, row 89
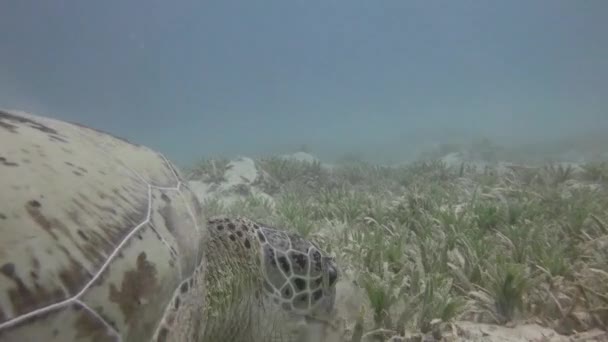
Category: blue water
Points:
column 379, row 78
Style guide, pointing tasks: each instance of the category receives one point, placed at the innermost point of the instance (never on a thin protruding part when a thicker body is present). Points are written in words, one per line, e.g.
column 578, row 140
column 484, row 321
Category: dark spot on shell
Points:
column 5, row 162
column 25, row 299
column 8, row 269
column 77, row 173
column 5, row 116
column 261, row 237
column 177, row 302
column 49, row 225
column 239, row 233
column 8, row 127
column 220, row 227
column 2, row 216
column 231, row 226
column 158, row 235
column 137, row 284
column 184, row 287
column 74, row 276
column 317, row 282
column 232, row 237
column 284, row 264
column 57, row 138
column 244, row 228
column 317, row 295
column 247, row 244
column 83, row 235
column 165, row 198
column 256, row 226
column 300, row 284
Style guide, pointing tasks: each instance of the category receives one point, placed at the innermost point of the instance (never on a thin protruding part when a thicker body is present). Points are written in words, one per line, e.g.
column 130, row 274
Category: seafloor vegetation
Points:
column 433, row 242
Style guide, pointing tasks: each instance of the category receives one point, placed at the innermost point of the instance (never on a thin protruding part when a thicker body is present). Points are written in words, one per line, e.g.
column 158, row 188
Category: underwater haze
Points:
column 381, row 79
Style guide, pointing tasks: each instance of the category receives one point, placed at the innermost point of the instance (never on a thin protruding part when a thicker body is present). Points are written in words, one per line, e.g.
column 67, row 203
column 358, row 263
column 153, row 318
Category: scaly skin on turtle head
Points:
column 261, row 283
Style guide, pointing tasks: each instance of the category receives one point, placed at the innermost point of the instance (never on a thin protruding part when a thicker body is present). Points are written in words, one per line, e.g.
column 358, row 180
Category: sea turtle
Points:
column 101, row 240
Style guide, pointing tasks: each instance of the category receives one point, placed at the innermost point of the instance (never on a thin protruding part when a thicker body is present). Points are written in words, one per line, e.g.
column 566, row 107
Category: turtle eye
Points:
column 333, row 275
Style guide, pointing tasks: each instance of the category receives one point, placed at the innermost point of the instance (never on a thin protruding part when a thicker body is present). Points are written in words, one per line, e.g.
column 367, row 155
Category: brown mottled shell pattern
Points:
column 96, row 233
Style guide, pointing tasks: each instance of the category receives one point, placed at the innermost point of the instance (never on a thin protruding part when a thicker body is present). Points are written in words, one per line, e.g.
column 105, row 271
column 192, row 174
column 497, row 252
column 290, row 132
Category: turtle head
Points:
column 298, row 275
